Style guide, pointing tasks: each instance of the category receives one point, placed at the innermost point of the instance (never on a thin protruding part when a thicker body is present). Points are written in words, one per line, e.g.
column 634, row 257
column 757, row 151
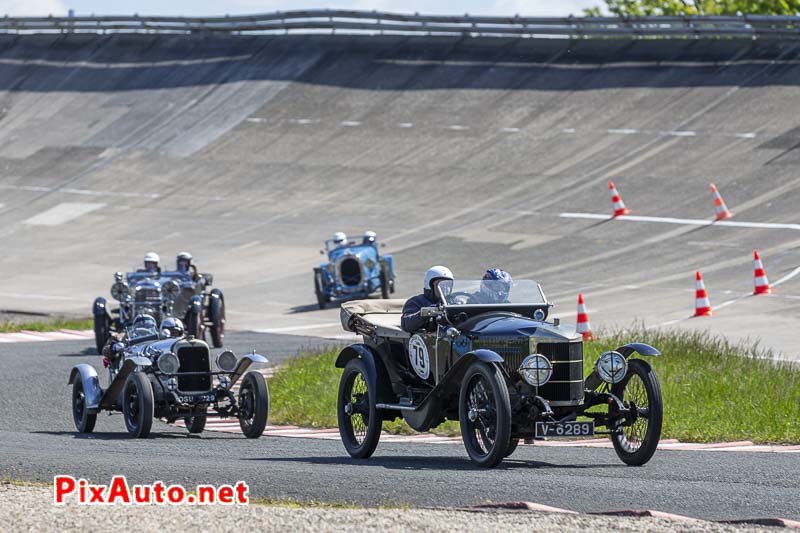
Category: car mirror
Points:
column 383, row 245
column 322, row 252
column 451, row 333
column 165, row 334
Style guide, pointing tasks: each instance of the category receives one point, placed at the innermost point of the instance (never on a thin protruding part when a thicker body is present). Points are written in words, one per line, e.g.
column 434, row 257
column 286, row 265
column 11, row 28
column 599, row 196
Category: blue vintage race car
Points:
column 353, row 270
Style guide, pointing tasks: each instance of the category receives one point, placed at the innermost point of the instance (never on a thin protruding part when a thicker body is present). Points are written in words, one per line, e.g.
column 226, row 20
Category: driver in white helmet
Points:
column 151, row 261
column 412, row 319
column 184, row 263
column 370, row 238
column 339, row 239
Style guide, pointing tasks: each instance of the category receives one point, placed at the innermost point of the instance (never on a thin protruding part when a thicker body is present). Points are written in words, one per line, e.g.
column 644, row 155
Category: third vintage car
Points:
column 161, row 372
column 499, row 368
column 353, row 270
column 184, row 295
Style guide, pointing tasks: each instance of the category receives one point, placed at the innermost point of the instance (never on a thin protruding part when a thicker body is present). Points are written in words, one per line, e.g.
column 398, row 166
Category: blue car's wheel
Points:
column 322, row 298
column 384, row 277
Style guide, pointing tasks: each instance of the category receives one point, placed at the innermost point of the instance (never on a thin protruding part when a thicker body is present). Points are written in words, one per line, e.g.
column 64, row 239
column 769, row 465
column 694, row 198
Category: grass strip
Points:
column 46, row 325
column 714, row 390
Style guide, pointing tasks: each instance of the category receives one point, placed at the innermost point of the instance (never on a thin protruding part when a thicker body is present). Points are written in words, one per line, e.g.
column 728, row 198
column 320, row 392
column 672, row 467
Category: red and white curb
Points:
column 231, row 425
column 40, row 336
column 637, row 513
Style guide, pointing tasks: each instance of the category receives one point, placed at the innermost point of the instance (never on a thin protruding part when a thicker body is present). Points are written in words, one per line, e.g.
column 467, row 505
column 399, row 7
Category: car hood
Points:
column 509, row 326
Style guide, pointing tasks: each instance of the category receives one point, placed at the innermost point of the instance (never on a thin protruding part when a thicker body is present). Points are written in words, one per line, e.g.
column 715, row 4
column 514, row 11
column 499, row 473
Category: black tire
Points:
column 360, row 422
column 322, row 298
column 384, row 278
column 216, row 313
column 253, row 405
column 637, row 443
column 512, row 446
column 84, row 421
column 195, row 424
column 194, row 325
column 102, row 331
column 137, row 405
column 484, row 410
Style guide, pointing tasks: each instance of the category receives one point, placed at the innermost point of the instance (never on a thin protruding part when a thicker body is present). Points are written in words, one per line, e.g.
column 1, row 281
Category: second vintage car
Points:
column 160, row 372
column 497, row 367
column 184, row 295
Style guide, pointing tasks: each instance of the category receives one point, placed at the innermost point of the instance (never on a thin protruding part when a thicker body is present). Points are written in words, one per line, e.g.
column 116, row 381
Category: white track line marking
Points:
column 298, row 328
column 745, row 135
column 350, row 123
column 678, row 133
column 683, row 221
column 622, row 131
column 62, row 213
column 82, row 192
column 568, row 130
column 787, row 277
column 509, row 130
column 457, row 127
column 406, row 125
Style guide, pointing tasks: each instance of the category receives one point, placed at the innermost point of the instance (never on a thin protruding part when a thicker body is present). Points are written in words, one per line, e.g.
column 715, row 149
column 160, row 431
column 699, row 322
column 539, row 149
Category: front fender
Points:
column 91, row 384
column 130, row 364
column 459, row 368
column 376, row 373
column 196, row 304
column 451, row 381
column 100, row 307
column 638, row 347
column 244, row 363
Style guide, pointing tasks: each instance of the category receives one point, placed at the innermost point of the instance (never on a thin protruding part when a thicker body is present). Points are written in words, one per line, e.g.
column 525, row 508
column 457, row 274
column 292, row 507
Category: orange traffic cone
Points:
column 720, row 209
column 619, row 205
column 702, row 306
column 582, row 326
column 761, row 281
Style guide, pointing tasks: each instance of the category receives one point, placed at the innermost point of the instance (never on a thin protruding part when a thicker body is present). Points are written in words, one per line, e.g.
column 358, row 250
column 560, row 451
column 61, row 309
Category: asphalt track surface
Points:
column 250, row 150
column 37, row 441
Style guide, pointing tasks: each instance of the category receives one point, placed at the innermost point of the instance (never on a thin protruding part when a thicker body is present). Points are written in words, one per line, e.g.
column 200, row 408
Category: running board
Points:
column 397, row 407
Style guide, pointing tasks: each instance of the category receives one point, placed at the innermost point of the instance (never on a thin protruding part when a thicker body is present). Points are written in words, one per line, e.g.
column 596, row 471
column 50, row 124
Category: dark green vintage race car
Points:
column 499, row 368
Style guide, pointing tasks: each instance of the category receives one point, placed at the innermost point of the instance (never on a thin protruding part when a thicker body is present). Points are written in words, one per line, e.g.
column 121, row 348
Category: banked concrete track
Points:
column 249, row 150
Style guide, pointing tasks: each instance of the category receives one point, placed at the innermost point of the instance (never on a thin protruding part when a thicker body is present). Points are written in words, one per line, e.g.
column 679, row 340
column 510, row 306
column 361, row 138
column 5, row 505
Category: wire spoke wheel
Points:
column 137, row 405
column 253, row 404
column 638, row 431
column 359, row 420
column 84, row 420
column 485, row 414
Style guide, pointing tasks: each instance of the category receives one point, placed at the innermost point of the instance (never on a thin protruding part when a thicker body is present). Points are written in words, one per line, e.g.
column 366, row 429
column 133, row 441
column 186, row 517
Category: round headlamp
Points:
column 224, row 382
column 120, row 291
column 538, row 315
column 611, row 367
column 226, row 361
column 172, row 384
column 168, row 363
column 172, row 289
column 536, row 370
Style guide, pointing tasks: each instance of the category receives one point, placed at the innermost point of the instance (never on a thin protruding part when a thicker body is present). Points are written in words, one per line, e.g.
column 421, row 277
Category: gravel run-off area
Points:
column 31, row 508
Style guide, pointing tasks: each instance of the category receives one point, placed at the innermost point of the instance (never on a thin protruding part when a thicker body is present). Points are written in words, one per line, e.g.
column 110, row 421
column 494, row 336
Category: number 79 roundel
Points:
column 418, row 356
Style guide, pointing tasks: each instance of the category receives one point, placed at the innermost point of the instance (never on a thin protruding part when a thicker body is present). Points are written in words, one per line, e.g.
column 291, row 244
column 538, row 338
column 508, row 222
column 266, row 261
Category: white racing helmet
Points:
column 339, row 238
column 435, row 273
column 370, row 237
column 151, row 257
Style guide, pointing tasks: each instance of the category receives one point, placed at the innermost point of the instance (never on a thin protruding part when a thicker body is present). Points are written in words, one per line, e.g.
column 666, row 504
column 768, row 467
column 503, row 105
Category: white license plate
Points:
column 564, row 429
column 197, row 398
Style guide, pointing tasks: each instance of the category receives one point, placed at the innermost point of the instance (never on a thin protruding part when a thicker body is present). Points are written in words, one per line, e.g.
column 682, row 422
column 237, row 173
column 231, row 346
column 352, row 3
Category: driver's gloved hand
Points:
column 431, row 326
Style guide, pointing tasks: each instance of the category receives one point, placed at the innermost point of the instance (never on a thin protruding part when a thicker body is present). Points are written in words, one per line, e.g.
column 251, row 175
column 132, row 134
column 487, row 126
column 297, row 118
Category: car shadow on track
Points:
column 110, row 436
column 437, row 463
column 82, row 353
